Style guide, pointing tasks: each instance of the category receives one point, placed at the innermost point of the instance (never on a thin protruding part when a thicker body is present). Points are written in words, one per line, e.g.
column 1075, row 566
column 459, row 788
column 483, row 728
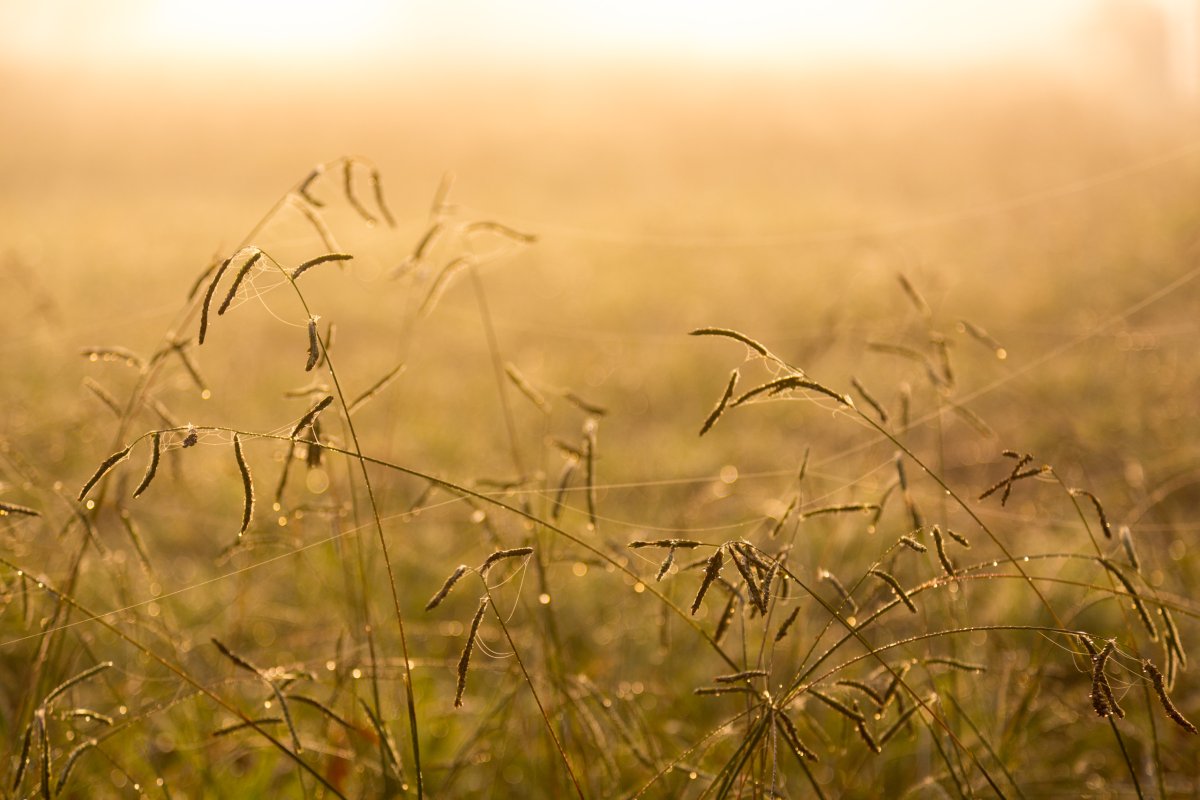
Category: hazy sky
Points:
column 775, row 30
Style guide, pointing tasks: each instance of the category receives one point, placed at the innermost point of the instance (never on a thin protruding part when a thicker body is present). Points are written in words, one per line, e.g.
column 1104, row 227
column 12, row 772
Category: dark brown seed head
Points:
column 711, row 571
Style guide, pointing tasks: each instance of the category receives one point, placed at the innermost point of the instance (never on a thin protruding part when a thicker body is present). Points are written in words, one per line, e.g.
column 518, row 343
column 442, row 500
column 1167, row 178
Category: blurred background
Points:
column 1032, row 167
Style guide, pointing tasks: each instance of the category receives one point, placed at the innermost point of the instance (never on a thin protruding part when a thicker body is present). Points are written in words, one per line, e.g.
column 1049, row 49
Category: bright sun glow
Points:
column 771, row 30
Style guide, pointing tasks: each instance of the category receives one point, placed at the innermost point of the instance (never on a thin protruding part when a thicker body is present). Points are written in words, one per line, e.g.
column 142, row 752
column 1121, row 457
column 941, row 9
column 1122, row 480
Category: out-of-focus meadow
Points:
column 983, row 255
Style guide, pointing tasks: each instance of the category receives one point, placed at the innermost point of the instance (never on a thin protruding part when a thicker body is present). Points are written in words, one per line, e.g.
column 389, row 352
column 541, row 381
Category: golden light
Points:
column 774, row 31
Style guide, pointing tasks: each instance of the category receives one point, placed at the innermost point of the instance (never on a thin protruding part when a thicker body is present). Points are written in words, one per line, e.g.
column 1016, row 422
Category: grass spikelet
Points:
column 568, row 450
column 158, row 408
column 1101, row 689
column 246, row 665
column 787, row 730
column 434, row 601
column 23, row 760
column 376, row 387
column 787, row 624
column 787, row 383
column 666, row 564
column 287, row 715
column 974, row 420
column 564, row 481
column 837, row 705
column 768, row 579
column 1171, row 635
column 1138, row 604
column 304, row 189
column 314, row 345
column 247, row 484
column 502, row 230
column 234, row 657
column 18, row 510
column 954, row 663
column 913, row 544
column 869, row 399
column 121, row 354
column 833, row 581
column 78, row 679
column 69, row 763
column 464, row 661
column 1161, row 690
column 586, row 406
column 311, row 415
column 896, row 587
column 756, row 595
column 313, row 388
column 152, row 465
column 104, row 469
column 686, row 544
column 1104, row 525
column 380, row 202
column 897, row 678
column 313, row 262
column 980, row 335
column 441, row 282
column 942, row 347
column 589, row 470
column 915, row 297
column 204, row 275
column 895, row 727
column 726, row 617
column 43, row 735
column 787, row 512
column 87, row 715
column 324, row 709
column 318, row 224
column 500, row 555
column 719, row 409
column 208, row 296
column 940, row 544
column 180, row 348
column 1017, row 474
column 1126, row 537
column 103, row 395
column 711, row 570
column 414, row 259
column 717, row 691
column 845, row 508
column 281, row 486
column 901, row 473
column 738, row 677
column 351, row 196
column 381, row 731
column 526, row 388
column 731, row 334
column 903, row 351
column 865, row 688
column 237, row 280
column 958, row 537
column 866, row 736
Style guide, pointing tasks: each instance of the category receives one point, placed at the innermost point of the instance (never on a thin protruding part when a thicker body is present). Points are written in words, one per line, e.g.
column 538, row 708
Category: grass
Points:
column 855, row 582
